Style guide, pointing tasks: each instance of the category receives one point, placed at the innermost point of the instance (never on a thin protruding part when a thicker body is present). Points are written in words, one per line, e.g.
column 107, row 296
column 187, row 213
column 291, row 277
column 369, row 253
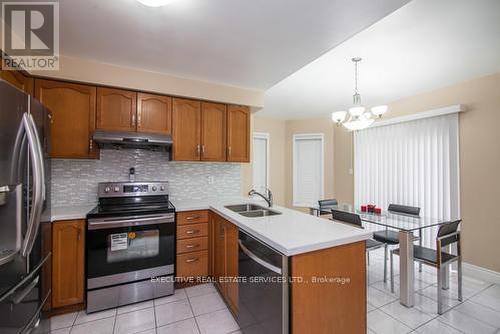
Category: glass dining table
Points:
column 406, row 226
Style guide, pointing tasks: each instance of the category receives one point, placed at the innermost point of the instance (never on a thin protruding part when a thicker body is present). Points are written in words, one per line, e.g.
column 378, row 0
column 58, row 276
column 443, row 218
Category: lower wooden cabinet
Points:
column 192, row 249
column 226, row 260
column 68, row 251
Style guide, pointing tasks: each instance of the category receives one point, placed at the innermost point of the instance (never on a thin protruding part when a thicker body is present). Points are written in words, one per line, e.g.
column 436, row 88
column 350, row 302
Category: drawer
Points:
column 194, row 264
column 192, row 217
column 192, row 245
column 192, row 231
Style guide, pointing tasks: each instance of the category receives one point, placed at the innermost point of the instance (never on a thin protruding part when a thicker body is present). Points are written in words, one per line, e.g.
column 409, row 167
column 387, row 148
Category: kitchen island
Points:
column 325, row 264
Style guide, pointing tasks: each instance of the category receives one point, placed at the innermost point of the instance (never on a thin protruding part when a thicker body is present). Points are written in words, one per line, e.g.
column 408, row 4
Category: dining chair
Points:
column 325, row 205
column 354, row 219
column 447, row 235
column 391, row 237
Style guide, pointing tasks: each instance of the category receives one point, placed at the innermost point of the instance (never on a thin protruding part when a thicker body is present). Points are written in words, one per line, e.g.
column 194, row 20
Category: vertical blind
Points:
column 307, row 169
column 411, row 163
column 259, row 162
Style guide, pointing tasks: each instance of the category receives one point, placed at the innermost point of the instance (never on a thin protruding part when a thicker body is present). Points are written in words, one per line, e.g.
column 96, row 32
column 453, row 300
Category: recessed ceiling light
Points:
column 155, row 3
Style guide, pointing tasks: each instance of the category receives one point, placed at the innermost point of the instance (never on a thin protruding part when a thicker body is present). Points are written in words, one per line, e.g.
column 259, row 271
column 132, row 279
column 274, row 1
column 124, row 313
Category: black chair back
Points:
column 347, row 217
column 409, row 210
column 327, row 202
column 447, row 233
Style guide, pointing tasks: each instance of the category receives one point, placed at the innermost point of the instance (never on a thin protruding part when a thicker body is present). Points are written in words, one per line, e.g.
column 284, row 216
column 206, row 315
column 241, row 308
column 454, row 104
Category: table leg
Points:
column 420, row 244
column 406, row 269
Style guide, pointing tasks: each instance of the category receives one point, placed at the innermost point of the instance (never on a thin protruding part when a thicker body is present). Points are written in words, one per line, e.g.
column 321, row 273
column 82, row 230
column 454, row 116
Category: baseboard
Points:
column 480, row 273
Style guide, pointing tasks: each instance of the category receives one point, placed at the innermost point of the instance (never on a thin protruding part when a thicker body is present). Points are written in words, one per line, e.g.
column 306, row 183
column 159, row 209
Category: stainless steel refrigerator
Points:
column 24, row 205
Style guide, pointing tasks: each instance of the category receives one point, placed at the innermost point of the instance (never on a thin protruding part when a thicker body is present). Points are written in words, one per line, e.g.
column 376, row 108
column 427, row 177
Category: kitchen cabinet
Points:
column 238, row 133
column 73, row 112
column 154, row 113
column 192, row 245
column 186, row 119
column 213, row 131
column 116, row 109
column 68, row 247
column 19, row 80
column 226, row 261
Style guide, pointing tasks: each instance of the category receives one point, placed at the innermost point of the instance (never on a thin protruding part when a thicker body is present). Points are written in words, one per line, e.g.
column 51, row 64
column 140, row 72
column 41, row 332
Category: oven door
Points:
column 129, row 249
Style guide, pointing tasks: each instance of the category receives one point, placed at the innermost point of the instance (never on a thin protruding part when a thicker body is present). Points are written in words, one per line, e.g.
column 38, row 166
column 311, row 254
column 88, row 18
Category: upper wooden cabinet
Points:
column 154, row 113
column 68, row 249
column 116, row 109
column 186, row 116
column 238, row 133
column 73, row 117
column 213, row 131
column 18, row 80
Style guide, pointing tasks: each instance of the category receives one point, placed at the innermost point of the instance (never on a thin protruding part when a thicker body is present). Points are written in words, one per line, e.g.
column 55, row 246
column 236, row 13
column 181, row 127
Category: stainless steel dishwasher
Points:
column 263, row 289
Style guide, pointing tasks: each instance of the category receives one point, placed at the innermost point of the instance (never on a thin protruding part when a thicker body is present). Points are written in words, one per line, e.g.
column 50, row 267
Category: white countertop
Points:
column 290, row 233
column 70, row 212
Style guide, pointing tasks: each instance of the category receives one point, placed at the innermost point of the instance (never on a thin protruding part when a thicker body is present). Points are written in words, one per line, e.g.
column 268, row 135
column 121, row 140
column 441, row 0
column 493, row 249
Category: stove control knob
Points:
column 154, row 188
column 117, row 189
column 162, row 188
column 107, row 189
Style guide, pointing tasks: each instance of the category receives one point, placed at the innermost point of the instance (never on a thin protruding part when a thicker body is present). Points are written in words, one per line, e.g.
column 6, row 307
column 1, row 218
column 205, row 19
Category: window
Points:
column 411, row 163
column 307, row 169
column 260, row 161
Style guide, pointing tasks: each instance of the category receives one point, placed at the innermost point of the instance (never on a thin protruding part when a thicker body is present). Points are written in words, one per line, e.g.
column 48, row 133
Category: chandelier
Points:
column 358, row 117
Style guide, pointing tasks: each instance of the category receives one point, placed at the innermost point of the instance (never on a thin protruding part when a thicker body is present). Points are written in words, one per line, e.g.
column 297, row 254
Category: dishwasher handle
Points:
column 257, row 259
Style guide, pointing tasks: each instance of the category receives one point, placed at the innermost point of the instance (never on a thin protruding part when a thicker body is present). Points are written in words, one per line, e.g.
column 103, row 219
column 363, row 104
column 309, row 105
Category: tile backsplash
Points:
column 74, row 182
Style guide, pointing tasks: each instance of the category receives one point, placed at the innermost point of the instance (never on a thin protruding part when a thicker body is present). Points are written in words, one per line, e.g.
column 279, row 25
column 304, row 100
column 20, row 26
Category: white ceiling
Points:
column 424, row 45
column 245, row 43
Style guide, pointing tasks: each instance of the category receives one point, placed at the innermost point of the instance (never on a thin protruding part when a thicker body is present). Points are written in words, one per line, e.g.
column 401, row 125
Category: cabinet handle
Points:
column 203, row 149
column 90, row 145
column 139, row 119
column 192, row 231
column 229, row 150
column 133, row 119
column 192, row 246
column 78, row 233
column 198, row 149
column 194, row 259
column 192, row 217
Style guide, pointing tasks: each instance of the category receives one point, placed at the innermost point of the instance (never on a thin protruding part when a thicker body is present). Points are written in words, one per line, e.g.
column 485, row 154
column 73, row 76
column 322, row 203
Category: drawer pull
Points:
column 192, row 260
column 193, row 246
column 192, row 231
column 192, row 217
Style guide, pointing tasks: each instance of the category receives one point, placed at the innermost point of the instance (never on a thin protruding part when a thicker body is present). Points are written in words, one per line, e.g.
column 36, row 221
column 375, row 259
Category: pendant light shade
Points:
column 359, row 118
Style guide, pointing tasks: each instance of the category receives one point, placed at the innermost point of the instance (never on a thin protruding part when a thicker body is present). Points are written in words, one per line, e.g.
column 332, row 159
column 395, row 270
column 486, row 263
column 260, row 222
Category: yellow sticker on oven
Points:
column 131, row 235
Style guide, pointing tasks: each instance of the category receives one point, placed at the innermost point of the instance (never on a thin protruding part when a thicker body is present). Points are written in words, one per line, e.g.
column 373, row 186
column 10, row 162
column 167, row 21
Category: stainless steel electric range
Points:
column 130, row 244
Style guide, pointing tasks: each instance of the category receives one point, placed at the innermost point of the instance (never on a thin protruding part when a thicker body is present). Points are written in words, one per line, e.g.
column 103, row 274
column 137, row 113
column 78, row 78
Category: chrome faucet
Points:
column 268, row 198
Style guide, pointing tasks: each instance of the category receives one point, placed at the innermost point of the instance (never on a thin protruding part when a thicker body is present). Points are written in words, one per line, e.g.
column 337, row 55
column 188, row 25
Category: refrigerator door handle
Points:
column 37, row 203
column 39, row 148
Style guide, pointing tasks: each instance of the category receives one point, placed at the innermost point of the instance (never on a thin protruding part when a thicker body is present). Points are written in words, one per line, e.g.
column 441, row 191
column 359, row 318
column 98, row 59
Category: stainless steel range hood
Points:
column 118, row 140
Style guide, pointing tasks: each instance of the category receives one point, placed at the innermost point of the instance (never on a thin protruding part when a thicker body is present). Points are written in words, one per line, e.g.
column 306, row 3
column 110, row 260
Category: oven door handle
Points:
column 257, row 259
column 135, row 221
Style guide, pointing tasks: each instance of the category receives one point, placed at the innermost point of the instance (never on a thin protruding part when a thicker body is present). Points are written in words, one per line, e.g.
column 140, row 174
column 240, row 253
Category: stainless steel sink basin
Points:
column 252, row 210
column 259, row 213
column 244, row 207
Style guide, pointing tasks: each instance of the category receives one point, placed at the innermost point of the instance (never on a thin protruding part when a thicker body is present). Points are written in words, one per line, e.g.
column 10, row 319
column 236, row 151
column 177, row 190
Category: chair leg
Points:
column 439, row 288
column 385, row 263
column 392, row 272
column 459, row 273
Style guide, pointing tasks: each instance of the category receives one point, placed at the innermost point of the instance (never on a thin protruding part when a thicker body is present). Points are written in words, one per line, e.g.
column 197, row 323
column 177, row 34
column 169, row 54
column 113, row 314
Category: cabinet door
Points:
column 154, row 113
column 238, row 133
column 116, row 109
column 213, row 131
column 73, row 117
column 68, row 262
column 186, row 118
column 232, row 265
column 18, row 80
column 219, row 253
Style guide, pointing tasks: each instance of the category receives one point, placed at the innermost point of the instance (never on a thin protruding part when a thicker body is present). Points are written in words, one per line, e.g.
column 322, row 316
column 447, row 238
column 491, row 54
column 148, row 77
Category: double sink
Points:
column 252, row 210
